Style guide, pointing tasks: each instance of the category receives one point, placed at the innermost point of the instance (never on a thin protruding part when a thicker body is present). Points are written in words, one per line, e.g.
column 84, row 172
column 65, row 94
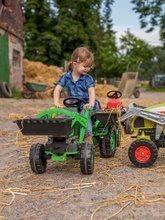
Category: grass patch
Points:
column 155, row 89
column 16, row 94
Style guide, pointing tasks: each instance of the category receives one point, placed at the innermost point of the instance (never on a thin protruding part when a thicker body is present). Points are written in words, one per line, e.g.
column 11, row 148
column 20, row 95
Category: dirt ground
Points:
column 116, row 190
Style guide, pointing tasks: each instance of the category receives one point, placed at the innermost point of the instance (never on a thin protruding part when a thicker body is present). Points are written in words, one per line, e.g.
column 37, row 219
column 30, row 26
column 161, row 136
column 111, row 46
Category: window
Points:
column 16, row 58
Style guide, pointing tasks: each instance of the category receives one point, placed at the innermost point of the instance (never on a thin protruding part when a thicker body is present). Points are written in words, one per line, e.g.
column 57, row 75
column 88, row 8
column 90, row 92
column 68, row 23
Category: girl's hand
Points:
column 58, row 105
column 86, row 106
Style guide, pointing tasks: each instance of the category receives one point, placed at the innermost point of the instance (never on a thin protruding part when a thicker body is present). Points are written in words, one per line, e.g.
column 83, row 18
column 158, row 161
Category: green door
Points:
column 4, row 59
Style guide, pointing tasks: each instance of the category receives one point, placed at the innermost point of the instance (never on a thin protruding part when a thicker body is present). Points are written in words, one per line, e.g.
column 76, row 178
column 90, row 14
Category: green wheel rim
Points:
column 112, row 141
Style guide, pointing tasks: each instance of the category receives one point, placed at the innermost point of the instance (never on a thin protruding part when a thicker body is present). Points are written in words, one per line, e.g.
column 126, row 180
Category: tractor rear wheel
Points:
column 38, row 162
column 143, row 153
column 118, row 136
column 87, row 159
column 108, row 144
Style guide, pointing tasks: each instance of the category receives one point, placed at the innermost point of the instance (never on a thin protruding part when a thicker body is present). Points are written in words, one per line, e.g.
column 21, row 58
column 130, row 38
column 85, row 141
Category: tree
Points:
column 77, row 24
column 109, row 60
column 41, row 42
column 135, row 51
column 54, row 28
column 156, row 65
column 151, row 15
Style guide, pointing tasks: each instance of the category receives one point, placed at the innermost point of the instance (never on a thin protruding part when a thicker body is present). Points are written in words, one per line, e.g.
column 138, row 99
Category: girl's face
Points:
column 83, row 67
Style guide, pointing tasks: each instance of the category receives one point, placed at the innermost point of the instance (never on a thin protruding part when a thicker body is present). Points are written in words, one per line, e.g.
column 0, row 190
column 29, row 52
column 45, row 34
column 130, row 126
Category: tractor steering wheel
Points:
column 114, row 94
column 73, row 102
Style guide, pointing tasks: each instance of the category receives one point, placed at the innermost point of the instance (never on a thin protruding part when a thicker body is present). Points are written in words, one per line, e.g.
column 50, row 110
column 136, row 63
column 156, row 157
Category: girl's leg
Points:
column 88, row 136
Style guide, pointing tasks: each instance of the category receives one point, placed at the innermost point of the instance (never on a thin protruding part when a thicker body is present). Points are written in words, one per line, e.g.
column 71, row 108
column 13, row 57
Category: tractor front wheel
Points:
column 143, row 153
column 87, row 159
column 38, row 162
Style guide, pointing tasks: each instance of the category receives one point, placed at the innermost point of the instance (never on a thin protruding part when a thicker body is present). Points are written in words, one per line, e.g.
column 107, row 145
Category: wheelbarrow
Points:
column 129, row 85
column 32, row 89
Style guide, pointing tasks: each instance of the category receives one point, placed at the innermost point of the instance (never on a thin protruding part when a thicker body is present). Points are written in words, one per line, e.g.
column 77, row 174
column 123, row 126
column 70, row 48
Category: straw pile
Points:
column 103, row 89
column 38, row 72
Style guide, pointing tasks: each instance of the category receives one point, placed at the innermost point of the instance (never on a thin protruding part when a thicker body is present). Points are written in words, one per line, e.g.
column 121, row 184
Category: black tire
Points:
column 143, row 153
column 6, row 90
column 136, row 93
column 127, row 126
column 108, row 144
column 38, row 162
column 87, row 159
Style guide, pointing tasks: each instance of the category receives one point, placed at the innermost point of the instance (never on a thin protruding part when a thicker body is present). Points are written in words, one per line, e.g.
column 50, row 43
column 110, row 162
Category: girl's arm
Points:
column 56, row 96
column 91, row 92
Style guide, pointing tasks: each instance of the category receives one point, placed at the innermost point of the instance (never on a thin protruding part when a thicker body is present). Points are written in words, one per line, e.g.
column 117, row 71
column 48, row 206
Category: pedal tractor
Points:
column 66, row 130
column 107, row 132
column 149, row 126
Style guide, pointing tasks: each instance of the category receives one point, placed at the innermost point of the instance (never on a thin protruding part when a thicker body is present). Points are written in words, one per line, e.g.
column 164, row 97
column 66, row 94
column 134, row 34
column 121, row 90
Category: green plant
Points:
column 16, row 93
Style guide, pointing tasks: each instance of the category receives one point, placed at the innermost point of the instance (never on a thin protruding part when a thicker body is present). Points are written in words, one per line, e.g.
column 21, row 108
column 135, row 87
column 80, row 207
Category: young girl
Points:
column 78, row 83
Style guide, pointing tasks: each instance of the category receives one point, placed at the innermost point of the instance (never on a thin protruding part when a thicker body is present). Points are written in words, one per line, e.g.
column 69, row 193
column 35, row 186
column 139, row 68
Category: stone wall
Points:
column 15, row 62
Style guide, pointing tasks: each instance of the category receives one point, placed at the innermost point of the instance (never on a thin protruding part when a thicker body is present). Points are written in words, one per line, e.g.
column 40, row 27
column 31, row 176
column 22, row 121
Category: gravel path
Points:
column 116, row 190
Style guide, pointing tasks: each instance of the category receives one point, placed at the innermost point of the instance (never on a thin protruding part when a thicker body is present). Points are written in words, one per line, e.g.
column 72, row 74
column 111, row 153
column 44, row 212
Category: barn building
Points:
column 11, row 44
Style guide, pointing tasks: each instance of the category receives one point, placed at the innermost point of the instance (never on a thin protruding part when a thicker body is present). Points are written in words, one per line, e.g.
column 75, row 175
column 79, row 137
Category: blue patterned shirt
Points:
column 79, row 88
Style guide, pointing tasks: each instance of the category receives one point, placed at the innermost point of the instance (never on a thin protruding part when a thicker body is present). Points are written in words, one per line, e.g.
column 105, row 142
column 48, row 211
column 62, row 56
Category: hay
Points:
column 103, row 89
column 125, row 198
column 38, row 72
column 15, row 116
column 25, row 191
column 13, row 193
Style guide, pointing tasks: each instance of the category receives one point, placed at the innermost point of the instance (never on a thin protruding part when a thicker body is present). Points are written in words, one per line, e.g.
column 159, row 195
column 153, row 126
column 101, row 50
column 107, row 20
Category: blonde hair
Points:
column 79, row 55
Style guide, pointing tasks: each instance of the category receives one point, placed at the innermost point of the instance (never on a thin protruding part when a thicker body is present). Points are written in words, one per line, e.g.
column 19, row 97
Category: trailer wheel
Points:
column 87, row 159
column 108, row 144
column 5, row 88
column 27, row 95
column 38, row 162
column 143, row 153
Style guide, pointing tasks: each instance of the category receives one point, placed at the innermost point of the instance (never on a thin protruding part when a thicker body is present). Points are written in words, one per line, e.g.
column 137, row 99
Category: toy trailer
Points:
column 149, row 126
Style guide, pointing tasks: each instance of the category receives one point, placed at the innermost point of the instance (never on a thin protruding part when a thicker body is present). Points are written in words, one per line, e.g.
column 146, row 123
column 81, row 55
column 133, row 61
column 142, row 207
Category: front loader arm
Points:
column 137, row 111
column 158, row 118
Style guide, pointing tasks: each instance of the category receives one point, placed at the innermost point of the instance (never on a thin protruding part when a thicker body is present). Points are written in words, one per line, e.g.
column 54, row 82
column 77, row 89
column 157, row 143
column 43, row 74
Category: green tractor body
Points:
column 66, row 131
